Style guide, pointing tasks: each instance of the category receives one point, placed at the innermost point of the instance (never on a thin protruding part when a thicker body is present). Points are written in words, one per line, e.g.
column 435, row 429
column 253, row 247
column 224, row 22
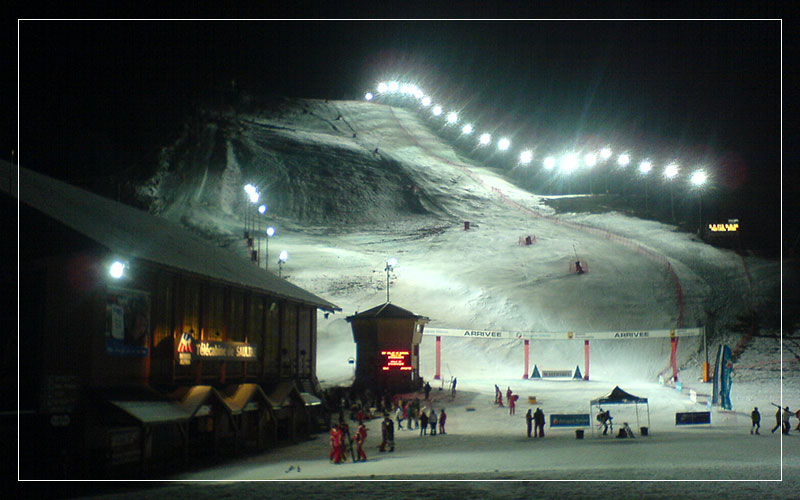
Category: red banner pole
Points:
column 438, row 375
column 586, row 360
column 527, row 357
column 674, row 359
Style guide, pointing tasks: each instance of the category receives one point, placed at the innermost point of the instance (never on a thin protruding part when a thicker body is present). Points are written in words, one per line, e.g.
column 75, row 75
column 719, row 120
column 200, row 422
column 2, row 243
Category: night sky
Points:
column 99, row 95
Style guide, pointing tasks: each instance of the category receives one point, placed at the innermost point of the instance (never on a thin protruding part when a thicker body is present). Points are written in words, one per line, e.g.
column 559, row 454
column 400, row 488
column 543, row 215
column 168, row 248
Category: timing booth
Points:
column 387, row 347
column 619, row 397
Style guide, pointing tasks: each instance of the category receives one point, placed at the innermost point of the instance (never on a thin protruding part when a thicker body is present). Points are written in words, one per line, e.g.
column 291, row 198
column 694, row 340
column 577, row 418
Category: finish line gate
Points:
column 673, row 334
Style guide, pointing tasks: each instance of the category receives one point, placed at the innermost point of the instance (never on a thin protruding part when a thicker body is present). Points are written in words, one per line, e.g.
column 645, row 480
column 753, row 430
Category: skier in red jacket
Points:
column 361, row 436
column 336, row 444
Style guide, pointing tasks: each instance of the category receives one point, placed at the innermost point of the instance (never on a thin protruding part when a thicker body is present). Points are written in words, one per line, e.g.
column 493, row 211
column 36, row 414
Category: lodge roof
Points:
column 136, row 234
column 386, row 310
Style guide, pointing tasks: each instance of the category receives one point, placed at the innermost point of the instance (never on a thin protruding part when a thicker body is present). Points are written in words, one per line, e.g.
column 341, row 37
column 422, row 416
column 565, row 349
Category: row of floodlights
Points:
column 567, row 163
column 253, row 195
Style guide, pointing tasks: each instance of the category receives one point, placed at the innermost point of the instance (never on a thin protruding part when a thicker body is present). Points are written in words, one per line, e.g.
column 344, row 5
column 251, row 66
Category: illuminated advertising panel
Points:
column 396, row 361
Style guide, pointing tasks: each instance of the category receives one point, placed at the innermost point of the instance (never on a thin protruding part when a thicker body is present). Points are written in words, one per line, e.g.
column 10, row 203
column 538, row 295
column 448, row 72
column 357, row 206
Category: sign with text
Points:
column 620, row 335
column 731, row 226
column 225, row 351
column 396, row 360
column 569, row 420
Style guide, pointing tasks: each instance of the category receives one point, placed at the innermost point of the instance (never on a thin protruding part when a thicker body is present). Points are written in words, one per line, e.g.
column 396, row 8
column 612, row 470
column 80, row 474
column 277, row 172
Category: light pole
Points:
column 670, row 172
column 262, row 209
column 644, row 168
column 698, row 180
column 389, row 267
column 270, row 234
column 283, row 257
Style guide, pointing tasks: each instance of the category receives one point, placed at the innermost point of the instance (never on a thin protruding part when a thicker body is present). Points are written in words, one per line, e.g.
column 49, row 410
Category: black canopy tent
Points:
column 619, row 397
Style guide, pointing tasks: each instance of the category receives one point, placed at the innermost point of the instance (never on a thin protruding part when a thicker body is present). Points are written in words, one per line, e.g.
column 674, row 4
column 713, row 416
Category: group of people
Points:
column 535, row 420
column 782, row 417
column 341, row 441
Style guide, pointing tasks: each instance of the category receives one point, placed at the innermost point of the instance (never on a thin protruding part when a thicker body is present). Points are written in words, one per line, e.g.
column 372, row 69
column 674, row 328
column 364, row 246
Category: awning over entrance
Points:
column 245, row 397
column 310, row 399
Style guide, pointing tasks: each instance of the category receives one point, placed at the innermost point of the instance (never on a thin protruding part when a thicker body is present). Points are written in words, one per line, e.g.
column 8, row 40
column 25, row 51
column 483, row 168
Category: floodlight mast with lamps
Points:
column 644, row 168
column 698, row 180
column 282, row 257
column 389, row 267
column 670, row 172
column 270, row 234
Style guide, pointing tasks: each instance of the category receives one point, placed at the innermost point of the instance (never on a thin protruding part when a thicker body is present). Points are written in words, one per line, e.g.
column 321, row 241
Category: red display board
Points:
column 398, row 360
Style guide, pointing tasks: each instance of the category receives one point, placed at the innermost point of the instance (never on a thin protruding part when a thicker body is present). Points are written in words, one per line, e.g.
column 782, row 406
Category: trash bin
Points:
column 579, row 434
column 643, row 431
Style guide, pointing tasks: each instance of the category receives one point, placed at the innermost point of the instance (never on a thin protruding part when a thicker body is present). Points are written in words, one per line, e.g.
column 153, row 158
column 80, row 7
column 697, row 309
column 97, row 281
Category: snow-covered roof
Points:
column 386, row 310
column 136, row 234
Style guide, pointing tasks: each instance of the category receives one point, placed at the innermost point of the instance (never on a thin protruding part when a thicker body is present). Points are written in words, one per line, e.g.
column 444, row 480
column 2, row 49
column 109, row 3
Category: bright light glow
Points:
column 526, row 157
column 383, row 87
column 503, row 144
column 252, row 193
column 590, row 159
column 270, row 231
column 262, row 209
column 408, row 88
column 391, row 263
column 624, row 159
column 394, row 86
column 116, row 270
column 418, row 93
column 645, row 167
column 437, row 110
column 368, row 96
column 452, row 117
column 671, row 170
column 549, row 163
column 467, row 129
column 569, row 162
column 699, row 178
column 485, row 139
column 284, row 256
column 605, row 153
column 426, row 101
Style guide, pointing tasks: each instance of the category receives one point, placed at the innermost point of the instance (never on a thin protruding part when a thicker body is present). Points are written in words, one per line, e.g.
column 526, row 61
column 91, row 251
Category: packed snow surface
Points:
column 351, row 184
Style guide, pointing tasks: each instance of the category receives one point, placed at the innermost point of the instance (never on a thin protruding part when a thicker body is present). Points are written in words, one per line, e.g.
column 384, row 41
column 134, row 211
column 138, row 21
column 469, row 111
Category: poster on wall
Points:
column 127, row 322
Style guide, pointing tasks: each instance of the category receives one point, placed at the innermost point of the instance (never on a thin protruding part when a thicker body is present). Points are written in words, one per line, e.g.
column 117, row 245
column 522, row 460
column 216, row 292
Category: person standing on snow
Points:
column 538, row 418
column 512, row 404
column 755, row 416
column 361, row 436
column 423, row 423
column 529, row 421
column 432, row 421
column 797, row 414
column 442, row 419
column 336, row 445
column 427, row 390
column 387, row 433
column 453, row 391
column 398, row 414
column 786, row 416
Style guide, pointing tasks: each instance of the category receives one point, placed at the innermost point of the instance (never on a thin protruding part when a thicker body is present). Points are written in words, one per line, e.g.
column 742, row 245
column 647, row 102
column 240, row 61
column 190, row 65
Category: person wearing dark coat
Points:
column 755, row 416
column 529, row 421
column 427, row 390
column 432, row 421
column 387, row 432
column 538, row 419
column 423, row 423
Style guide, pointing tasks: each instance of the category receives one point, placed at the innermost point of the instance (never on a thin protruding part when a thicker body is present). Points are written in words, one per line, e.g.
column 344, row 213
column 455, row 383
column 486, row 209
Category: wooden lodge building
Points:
column 190, row 351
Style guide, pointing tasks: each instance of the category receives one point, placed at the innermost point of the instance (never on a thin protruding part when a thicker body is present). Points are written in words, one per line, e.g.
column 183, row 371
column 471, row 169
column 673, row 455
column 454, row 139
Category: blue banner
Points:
column 570, row 420
column 725, row 385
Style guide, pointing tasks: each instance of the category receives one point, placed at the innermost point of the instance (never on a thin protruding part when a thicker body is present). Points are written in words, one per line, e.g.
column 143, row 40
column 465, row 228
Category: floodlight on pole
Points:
column 426, row 101
column 485, row 139
column 549, row 163
column 605, row 153
column 437, row 110
column 383, row 87
column 569, row 162
column 282, row 257
column 368, row 96
column 644, row 168
column 670, row 172
column 526, row 157
column 117, row 269
column 452, row 117
column 390, row 263
column 270, row 234
column 590, row 160
column 503, row 144
column 393, row 86
column 698, row 180
column 624, row 159
column 467, row 129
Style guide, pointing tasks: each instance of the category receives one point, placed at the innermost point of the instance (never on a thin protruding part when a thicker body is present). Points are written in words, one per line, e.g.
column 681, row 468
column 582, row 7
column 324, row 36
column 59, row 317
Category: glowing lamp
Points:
column 485, row 139
column 526, row 157
column 671, row 171
column 645, row 167
column 549, row 163
column 503, row 144
column 605, row 153
column 368, row 96
column 437, row 110
column 699, row 178
column 466, row 129
column 452, row 117
column 116, row 270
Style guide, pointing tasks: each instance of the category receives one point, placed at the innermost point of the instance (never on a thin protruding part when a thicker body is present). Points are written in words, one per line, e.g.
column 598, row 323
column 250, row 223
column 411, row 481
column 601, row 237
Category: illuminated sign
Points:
column 189, row 348
column 731, row 227
column 396, row 361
